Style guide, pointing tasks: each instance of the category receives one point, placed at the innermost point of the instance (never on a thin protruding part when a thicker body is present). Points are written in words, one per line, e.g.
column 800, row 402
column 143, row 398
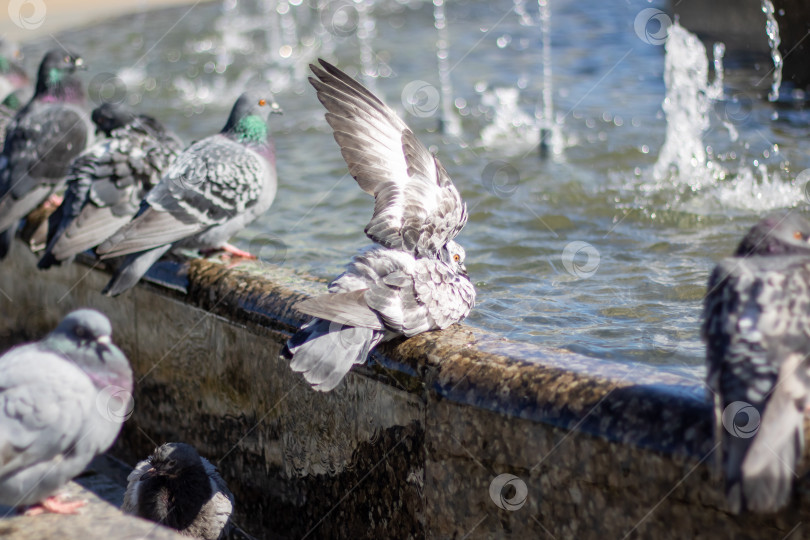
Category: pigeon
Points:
column 8, row 108
column 41, row 140
column 756, row 323
column 413, row 278
column 106, row 183
column 12, row 74
column 59, row 408
column 178, row 488
column 211, row 191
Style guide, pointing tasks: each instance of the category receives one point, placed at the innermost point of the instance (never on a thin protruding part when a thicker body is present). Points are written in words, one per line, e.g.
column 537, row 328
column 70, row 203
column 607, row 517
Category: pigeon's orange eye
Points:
column 797, row 235
column 262, row 102
column 456, row 257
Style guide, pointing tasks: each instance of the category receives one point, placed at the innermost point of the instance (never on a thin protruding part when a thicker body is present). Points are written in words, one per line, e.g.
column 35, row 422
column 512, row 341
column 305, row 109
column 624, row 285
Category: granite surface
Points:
column 411, row 445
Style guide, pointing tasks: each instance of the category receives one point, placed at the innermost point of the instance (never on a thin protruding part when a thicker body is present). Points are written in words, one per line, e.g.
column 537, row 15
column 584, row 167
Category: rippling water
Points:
column 632, row 286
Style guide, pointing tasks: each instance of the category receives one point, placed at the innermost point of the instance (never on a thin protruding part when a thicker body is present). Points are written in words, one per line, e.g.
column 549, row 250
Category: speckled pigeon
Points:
column 178, row 488
column 106, row 183
column 757, row 328
column 211, row 191
column 62, row 401
column 41, row 141
column 412, row 279
column 12, row 75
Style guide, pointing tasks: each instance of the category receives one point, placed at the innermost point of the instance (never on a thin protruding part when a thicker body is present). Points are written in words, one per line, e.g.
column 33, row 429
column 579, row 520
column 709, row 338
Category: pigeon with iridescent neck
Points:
column 62, row 402
column 214, row 188
column 107, row 182
column 42, row 140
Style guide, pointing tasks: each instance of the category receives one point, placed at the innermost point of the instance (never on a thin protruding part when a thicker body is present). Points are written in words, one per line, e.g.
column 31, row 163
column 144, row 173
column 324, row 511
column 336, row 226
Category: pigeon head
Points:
column 777, row 234
column 85, row 337
column 453, row 254
column 108, row 117
column 172, row 460
column 175, row 487
column 56, row 75
column 248, row 120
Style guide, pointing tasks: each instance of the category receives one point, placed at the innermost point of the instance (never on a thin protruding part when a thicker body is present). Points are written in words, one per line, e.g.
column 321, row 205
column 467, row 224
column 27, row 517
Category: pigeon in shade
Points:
column 12, row 75
column 41, row 141
column 756, row 323
column 178, row 488
column 106, row 183
column 413, row 278
column 211, row 191
column 62, row 402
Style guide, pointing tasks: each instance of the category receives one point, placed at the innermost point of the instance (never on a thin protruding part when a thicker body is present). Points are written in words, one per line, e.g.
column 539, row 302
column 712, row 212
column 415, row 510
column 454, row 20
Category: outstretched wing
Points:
column 211, row 182
column 417, row 208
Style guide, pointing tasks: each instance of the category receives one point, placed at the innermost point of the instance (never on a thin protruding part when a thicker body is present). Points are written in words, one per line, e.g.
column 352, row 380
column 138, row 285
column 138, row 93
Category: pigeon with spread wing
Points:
column 413, row 278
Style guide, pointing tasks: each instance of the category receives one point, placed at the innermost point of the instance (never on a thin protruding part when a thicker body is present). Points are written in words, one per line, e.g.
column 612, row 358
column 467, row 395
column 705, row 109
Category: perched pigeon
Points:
column 178, row 488
column 45, row 135
column 58, row 408
column 107, row 182
column 210, row 192
column 413, row 278
column 12, row 75
column 757, row 328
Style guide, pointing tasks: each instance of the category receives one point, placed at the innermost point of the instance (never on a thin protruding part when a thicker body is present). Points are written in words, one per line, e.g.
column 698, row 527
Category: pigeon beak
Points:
column 104, row 340
column 151, row 473
column 79, row 63
column 275, row 108
column 463, row 269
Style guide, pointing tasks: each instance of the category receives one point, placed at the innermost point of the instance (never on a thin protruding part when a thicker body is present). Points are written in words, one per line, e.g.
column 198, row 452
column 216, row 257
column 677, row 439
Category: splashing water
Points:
column 450, row 123
column 686, row 106
column 774, row 40
column 511, row 129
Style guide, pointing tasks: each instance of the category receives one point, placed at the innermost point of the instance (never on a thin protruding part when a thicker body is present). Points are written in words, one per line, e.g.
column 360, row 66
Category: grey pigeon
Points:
column 12, row 74
column 756, row 322
column 106, row 183
column 211, row 191
column 413, row 278
column 41, row 141
column 61, row 403
column 178, row 488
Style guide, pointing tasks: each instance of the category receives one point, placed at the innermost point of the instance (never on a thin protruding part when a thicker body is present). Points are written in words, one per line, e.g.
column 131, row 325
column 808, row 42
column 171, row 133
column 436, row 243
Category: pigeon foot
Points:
column 55, row 504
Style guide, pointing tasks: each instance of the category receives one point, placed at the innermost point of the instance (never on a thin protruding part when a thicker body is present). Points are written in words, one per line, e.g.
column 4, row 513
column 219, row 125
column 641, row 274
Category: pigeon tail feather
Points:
column 324, row 351
column 132, row 270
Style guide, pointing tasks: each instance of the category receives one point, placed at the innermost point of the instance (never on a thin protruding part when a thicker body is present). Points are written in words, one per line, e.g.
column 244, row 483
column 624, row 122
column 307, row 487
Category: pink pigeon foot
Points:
column 230, row 252
column 55, row 504
column 53, row 202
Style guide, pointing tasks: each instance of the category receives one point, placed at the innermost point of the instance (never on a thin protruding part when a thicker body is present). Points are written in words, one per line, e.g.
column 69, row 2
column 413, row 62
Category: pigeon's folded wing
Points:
column 45, row 404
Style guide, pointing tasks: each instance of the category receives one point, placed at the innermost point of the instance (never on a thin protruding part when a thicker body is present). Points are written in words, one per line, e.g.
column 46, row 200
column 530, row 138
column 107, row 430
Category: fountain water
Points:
column 449, row 122
column 774, row 40
column 366, row 30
